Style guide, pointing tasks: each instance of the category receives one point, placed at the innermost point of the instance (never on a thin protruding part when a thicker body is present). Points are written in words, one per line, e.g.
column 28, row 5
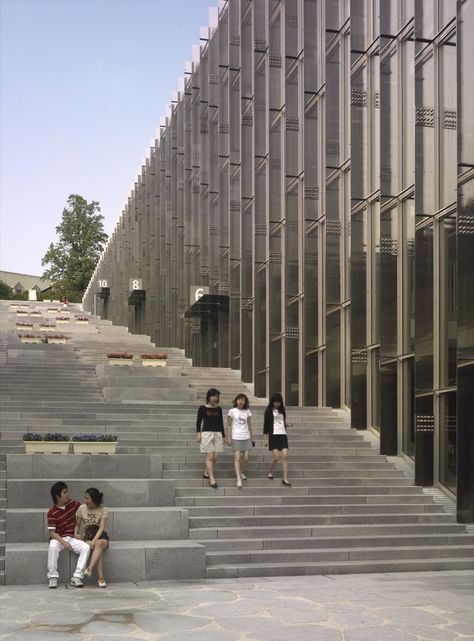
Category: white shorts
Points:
column 211, row 442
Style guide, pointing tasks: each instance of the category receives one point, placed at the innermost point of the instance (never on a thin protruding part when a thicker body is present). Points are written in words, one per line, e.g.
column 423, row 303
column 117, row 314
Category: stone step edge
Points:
column 338, row 567
column 355, row 550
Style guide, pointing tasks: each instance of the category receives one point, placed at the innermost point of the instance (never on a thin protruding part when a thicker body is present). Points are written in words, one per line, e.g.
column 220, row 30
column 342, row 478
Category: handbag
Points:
column 91, row 530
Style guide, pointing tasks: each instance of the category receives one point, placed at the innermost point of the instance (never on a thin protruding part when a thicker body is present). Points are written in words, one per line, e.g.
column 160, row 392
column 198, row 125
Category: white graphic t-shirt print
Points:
column 240, row 427
column 278, row 423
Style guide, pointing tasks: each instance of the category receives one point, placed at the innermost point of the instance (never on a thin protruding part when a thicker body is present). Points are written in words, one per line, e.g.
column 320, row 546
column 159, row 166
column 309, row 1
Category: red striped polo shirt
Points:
column 63, row 519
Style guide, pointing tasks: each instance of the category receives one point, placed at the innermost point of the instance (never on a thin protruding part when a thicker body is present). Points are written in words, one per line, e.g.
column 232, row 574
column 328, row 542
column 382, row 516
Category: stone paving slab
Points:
column 418, row 606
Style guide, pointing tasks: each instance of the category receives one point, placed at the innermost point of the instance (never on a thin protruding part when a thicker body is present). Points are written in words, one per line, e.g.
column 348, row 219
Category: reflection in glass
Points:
column 292, row 368
column 448, row 116
column 447, row 440
column 375, row 388
column 465, row 266
column 359, row 156
column 333, row 242
column 389, row 151
column 310, row 301
column 424, row 439
column 424, row 309
column 388, row 408
column 333, row 360
column 311, row 379
column 275, row 366
column 425, row 139
column 408, row 276
column 407, row 52
column 389, row 249
column 466, row 86
column 333, row 115
column 447, row 302
column 408, row 407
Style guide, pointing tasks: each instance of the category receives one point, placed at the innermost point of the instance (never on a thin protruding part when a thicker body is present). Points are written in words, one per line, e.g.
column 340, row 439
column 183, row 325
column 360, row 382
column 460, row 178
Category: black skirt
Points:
column 278, row 442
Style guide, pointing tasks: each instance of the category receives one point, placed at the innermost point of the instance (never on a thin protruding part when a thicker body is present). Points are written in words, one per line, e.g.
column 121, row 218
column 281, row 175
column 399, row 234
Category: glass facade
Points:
column 305, row 216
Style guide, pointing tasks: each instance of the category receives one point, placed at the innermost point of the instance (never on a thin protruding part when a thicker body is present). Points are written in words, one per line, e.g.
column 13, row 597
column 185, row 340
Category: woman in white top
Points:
column 240, row 435
column 274, row 431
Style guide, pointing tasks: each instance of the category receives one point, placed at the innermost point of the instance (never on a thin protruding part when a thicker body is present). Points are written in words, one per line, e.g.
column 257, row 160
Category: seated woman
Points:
column 93, row 516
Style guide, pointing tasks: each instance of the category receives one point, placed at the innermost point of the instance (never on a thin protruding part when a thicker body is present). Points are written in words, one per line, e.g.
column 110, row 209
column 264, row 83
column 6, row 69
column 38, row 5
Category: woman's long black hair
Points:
column 277, row 397
column 96, row 496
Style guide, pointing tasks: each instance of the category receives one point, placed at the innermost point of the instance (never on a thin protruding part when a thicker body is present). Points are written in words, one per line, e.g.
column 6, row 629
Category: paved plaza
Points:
column 438, row 606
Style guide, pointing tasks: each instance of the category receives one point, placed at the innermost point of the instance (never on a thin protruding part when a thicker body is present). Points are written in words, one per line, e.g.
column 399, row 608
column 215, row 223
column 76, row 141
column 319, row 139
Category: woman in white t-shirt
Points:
column 274, row 431
column 240, row 435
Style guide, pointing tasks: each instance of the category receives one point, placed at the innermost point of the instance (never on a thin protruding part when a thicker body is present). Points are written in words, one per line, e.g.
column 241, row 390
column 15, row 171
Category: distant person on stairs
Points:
column 210, row 432
column 93, row 516
column 240, row 435
column 275, row 435
column 61, row 522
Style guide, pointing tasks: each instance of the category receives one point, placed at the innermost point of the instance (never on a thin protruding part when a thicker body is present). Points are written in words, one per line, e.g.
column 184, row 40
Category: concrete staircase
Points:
column 150, row 535
column 349, row 509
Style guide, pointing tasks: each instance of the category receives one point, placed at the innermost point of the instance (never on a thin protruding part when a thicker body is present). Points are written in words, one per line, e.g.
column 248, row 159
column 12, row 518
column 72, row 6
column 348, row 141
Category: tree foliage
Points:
column 71, row 261
column 5, row 291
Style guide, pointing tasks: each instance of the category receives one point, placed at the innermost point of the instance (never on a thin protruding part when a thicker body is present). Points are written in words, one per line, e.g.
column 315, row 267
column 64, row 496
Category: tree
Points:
column 5, row 291
column 72, row 260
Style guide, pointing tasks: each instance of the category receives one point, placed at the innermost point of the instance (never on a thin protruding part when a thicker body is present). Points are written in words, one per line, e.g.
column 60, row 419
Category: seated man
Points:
column 61, row 522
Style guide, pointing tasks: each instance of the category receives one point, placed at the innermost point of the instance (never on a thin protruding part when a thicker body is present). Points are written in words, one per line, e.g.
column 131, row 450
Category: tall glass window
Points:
column 447, row 439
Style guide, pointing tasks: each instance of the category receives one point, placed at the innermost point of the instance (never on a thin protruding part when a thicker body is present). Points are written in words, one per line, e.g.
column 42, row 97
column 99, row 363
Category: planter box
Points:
column 62, row 322
column 57, row 341
column 47, row 447
column 94, row 447
column 20, row 313
column 36, row 314
column 120, row 361
column 154, row 362
column 24, row 328
column 35, row 341
column 47, row 329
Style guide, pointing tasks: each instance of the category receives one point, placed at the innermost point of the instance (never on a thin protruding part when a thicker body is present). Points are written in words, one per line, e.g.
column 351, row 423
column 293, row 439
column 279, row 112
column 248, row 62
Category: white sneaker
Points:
column 53, row 582
column 243, row 477
column 76, row 582
column 239, row 482
column 101, row 582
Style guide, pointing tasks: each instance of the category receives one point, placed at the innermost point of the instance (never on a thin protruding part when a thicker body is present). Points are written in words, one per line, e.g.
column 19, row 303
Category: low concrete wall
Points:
column 117, row 492
column 124, row 561
column 84, row 466
column 123, row 524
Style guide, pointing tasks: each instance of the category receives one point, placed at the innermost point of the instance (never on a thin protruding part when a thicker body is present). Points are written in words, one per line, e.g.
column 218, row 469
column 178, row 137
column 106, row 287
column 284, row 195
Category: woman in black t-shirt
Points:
column 210, row 432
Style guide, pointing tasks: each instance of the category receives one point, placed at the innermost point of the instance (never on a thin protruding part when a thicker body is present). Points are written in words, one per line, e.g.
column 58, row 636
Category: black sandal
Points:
column 270, row 477
column 205, row 476
column 287, row 483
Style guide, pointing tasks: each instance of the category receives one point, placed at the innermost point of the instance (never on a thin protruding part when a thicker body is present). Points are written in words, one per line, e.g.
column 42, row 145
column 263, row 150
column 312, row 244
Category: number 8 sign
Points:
column 135, row 284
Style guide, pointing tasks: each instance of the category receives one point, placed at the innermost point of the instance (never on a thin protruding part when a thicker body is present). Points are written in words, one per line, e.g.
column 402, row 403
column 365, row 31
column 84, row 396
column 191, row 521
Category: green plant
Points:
column 56, row 436
column 50, row 436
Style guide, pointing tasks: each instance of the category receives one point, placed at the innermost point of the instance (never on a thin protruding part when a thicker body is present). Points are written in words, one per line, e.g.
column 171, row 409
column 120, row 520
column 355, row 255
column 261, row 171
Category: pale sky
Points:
column 83, row 85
